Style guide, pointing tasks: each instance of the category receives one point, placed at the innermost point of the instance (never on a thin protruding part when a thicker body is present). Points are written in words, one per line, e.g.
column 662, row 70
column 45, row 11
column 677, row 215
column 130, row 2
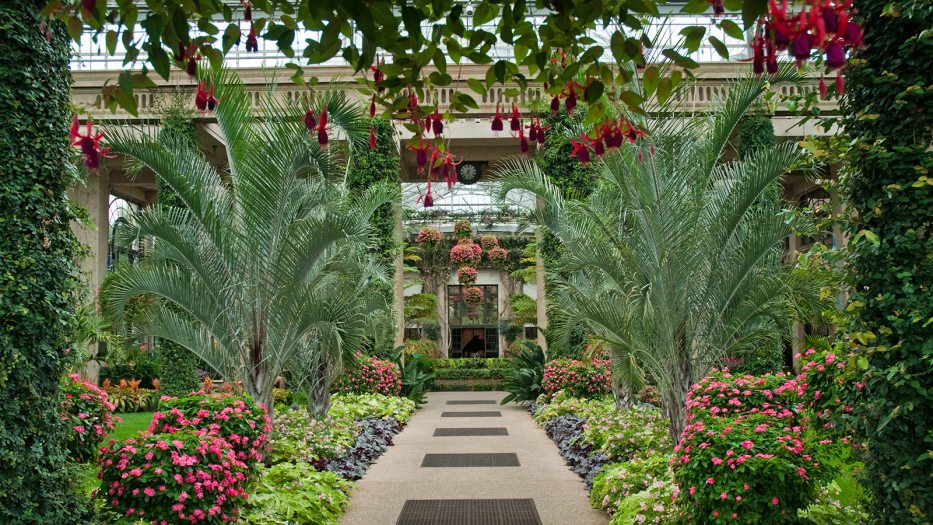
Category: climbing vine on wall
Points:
column 886, row 115
column 38, row 270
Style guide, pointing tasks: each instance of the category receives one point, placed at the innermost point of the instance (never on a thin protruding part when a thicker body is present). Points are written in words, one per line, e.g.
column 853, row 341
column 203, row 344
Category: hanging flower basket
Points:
column 473, row 295
column 498, row 257
column 466, row 275
column 463, row 228
column 429, row 237
column 466, row 253
column 488, row 242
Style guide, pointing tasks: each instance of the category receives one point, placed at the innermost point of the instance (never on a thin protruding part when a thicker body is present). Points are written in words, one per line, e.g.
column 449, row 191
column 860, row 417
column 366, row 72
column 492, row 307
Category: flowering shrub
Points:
column 236, row 418
column 463, row 228
column 183, row 477
column 562, row 404
column 86, row 412
column 466, row 275
column 625, row 434
column 488, row 241
column 128, row 397
column 466, row 253
column 499, row 257
column 291, row 493
column 826, row 375
column 621, row 480
column 371, row 376
column 429, row 237
column 577, row 378
column 473, row 295
column 749, row 453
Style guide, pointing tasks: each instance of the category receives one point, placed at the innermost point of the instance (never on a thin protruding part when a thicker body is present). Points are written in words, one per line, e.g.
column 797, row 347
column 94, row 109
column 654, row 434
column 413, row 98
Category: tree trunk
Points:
column 621, row 395
column 319, row 393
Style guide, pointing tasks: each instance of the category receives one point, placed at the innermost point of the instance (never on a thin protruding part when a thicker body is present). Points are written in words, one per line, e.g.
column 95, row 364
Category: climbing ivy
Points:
column 369, row 167
column 178, row 367
column 38, row 269
column 887, row 118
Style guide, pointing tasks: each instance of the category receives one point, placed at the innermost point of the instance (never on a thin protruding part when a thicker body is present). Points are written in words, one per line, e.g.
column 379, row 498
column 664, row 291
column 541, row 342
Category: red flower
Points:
column 89, row 143
column 497, row 121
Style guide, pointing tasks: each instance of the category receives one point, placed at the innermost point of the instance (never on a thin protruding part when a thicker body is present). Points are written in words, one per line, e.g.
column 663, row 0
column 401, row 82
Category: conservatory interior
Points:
column 465, row 262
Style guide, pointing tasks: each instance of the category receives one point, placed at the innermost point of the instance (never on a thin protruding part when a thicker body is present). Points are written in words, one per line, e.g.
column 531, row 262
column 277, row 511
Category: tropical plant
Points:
column 524, row 374
column 415, row 379
column 670, row 261
column 252, row 256
column 295, row 493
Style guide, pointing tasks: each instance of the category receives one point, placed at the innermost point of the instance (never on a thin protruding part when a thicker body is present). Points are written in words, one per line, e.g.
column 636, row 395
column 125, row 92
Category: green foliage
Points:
column 470, row 373
column 38, row 272
column 620, row 480
column 832, row 508
column 362, row 406
column 296, row 436
column 370, row 167
column 178, row 369
column 562, row 404
column 524, row 309
column 297, row 494
column 756, row 133
column 654, row 505
column 128, row 399
column 623, row 435
column 524, row 375
column 887, row 119
column 416, row 378
column 420, row 307
column 424, row 347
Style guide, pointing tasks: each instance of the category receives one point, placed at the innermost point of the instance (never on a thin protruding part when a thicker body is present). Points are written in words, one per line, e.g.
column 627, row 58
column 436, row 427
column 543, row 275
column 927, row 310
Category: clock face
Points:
column 468, row 173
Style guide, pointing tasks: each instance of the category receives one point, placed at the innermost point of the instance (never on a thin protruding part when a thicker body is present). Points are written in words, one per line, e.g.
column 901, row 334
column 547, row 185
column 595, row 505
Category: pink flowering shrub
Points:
column 370, row 376
column 466, row 253
column 749, row 453
column 87, row 413
column 466, row 275
column 184, row 477
column 577, row 378
column 236, row 418
column 429, row 237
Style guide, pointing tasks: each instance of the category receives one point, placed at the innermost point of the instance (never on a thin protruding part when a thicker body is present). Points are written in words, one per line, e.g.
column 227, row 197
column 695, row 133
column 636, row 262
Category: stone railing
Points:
column 712, row 84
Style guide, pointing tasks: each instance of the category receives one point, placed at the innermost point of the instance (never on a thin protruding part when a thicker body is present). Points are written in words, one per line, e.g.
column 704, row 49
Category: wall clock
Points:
column 469, row 172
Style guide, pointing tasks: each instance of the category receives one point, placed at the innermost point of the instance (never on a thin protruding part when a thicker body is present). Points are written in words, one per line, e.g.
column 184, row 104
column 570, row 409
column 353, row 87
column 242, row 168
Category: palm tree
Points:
column 242, row 269
column 674, row 260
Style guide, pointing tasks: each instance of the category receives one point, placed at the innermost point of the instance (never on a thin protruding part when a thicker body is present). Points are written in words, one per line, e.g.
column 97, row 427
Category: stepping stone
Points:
column 484, row 431
column 499, row 459
column 469, row 512
column 472, row 402
column 471, row 414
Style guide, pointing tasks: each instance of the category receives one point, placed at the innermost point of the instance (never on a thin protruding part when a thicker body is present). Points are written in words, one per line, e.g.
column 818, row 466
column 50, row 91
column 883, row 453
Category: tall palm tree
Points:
column 673, row 261
column 241, row 270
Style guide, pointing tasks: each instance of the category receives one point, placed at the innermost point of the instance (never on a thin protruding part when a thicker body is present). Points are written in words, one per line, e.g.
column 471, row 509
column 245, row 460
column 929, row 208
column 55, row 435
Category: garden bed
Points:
column 466, row 385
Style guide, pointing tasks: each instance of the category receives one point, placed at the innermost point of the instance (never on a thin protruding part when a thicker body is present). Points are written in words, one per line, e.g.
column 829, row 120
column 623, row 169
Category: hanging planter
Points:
column 473, row 295
column 489, row 241
column 466, row 253
column 463, row 229
column 466, row 275
column 429, row 237
column 498, row 257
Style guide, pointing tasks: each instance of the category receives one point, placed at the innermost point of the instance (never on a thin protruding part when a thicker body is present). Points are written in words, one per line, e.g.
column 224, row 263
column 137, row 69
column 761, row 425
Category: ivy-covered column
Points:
column 887, row 116
column 38, row 268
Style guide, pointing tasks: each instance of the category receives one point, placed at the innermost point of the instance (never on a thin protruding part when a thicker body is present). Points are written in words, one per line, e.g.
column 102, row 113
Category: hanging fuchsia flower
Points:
column 437, row 122
column 515, row 123
column 204, row 99
column 449, row 169
column 718, row 8
column 758, row 55
column 427, row 198
column 497, row 121
column 372, row 139
column 555, row 105
column 522, row 142
column 252, row 44
column 372, row 107
column 421, row 154
column 89, row 5
column 835, row 55
column 192, row 68
column 322, row 137
column 580, row 150
column 88, row 143
column 571, row 101
column 310, row 121
column 378, row 75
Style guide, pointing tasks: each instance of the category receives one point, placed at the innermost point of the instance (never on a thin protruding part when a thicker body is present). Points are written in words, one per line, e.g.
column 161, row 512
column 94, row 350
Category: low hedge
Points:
column 469, row 373
column 469, row 363
column 466, row 385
